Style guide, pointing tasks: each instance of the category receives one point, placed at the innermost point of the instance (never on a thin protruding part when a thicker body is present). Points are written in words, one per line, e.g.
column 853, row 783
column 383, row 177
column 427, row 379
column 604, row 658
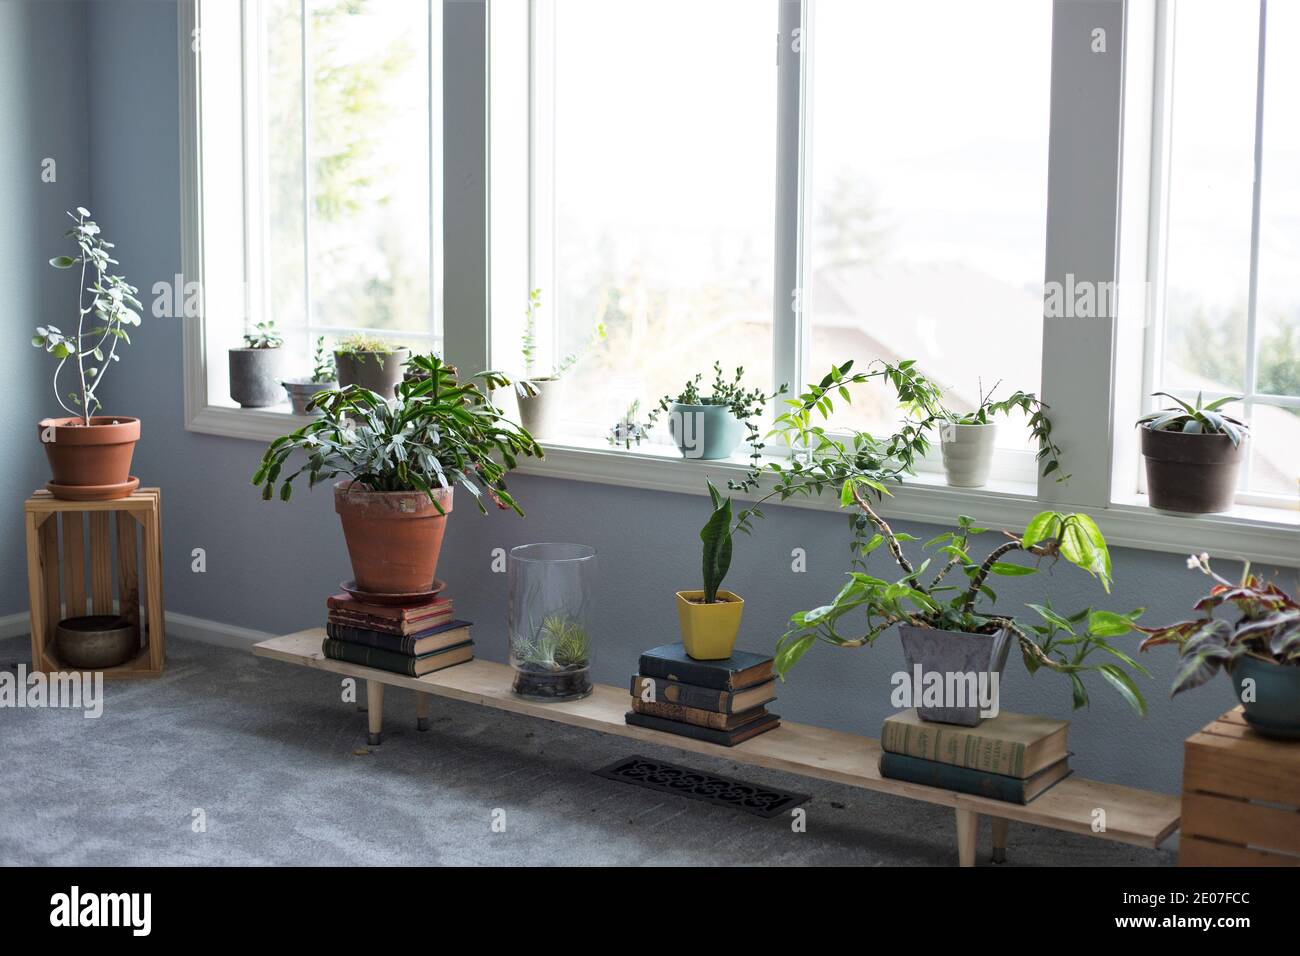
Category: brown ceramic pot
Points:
column 98, row 454
column 1191, row 473
column 393, row 537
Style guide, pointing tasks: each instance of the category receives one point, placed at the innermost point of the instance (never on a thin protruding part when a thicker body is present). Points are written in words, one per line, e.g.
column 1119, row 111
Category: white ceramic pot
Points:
column 540, row 414
column 967, row 453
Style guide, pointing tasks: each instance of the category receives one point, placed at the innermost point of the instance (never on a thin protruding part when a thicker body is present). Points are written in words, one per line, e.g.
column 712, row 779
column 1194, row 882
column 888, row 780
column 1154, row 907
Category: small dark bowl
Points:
column 96, row 642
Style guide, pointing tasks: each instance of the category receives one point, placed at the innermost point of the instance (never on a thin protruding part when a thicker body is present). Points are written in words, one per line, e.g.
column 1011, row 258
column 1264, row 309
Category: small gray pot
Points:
column 948, row 652
column 540, row 413
column 301, row 391
column 1191, row 473
column 707, row 432
column 378, row 371
column 96, row 642
column 255, row 377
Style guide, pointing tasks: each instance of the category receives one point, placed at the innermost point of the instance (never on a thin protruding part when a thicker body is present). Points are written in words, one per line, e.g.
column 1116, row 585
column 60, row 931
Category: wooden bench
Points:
column 1138, row 817
column 1241, row 797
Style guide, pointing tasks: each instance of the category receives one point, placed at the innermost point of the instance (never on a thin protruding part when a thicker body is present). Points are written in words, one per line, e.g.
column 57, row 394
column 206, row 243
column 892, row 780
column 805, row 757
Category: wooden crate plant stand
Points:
column 1241, row 797
column 1138, row 817
column 50, row 520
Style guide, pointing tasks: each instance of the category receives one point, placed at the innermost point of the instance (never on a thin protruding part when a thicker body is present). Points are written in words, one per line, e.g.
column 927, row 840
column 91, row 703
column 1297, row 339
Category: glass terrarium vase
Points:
column 552, row 590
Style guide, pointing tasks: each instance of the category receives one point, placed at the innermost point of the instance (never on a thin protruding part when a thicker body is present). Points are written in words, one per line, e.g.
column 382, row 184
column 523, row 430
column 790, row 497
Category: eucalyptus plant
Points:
column 1201, row 418
column 436, row 432
column 528, row 347
column 1056, row 642
column 745, row 404
column 101, row 321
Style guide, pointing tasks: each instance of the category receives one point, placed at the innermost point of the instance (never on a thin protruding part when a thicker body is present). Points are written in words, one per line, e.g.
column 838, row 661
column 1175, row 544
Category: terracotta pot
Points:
column 393, row 537
column 96, row 455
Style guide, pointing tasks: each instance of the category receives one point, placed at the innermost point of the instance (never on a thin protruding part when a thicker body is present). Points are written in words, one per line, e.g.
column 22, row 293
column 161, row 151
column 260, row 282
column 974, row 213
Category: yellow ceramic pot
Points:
column 709, row 630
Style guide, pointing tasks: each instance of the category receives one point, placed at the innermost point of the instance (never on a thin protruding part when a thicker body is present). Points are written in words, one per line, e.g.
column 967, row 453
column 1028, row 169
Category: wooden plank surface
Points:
column 1251, row 767
column 101, row 564
column 74, row 564
column 1196, row 851
column 1236, row 821
column 1138, row 817
column 42, row 502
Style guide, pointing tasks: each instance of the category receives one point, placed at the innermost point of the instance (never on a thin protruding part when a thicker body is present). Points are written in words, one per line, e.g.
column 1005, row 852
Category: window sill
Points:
column 1262, row 535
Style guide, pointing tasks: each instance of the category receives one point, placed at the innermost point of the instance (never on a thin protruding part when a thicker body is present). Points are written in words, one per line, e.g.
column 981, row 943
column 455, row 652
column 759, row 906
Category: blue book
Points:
column 980, row 783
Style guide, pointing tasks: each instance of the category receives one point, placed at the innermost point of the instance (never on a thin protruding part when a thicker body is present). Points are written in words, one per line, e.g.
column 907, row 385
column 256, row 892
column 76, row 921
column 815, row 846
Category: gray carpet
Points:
column 280, row 768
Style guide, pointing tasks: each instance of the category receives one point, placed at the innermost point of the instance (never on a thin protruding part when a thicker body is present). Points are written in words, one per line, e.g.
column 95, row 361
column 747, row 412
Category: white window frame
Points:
column 205, row 411
column 1087, row 212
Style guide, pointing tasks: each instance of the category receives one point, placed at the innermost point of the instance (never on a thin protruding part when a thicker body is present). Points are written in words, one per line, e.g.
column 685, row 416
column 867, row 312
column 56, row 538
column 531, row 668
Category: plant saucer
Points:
column 93, row 492
column 391, row 598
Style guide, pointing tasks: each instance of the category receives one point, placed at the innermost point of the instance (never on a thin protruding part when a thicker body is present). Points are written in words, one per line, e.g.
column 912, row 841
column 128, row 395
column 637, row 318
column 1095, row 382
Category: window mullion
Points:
column 306, row 170
column 789, row 330
column 1252, row 295
column 1084, row 151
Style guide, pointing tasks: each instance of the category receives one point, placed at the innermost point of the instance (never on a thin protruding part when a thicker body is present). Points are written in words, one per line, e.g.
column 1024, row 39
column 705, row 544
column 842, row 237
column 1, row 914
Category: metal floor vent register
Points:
column 698, row 785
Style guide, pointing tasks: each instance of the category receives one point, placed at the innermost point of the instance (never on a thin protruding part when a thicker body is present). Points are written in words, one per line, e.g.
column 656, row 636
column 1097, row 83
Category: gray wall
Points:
column 43, row 115
column 270, row 565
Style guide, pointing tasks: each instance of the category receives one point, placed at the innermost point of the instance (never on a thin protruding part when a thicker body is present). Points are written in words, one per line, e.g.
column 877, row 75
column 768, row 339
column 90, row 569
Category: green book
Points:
column 995, row 786
column 385, row 660
column 1017, row 745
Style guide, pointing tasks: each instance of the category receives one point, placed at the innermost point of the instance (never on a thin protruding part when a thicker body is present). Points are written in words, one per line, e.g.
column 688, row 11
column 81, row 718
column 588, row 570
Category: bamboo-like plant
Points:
column 1060, row 643
column 100, row 322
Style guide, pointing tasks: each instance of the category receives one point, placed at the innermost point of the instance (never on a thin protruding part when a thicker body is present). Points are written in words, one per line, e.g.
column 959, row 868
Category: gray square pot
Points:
column 953, row 651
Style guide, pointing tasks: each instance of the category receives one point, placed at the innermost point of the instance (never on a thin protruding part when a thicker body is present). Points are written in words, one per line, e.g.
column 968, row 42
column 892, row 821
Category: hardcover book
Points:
column 1017, row 745
column 726, row 738
column 995, row 786
column 703, row 698
column 700, row 718
column 742, row 669
column 344, row 603
column 397, row 663
column 412, row 645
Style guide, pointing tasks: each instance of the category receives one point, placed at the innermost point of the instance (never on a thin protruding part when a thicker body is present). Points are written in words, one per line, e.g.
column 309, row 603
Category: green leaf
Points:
column 63, row 262
column 1108, row 624
column 1120, row 680
column 1009, row 570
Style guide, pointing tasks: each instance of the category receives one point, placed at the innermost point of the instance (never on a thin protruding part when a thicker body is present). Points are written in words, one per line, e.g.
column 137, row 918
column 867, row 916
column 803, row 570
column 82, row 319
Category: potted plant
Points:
column 967, row 439
column 1259, row 649
column 710, row 618
column 711, row 426
column 402, row 458
column 1192, row 454
column 370, row 362
column 627, row 430
column 255, row 368
column 90, row 455
column 541, row 397
column 323, row 378
column 952, row 630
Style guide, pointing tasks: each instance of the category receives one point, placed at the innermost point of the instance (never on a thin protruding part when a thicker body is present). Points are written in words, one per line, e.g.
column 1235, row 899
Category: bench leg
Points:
column 421, row 711
column 967, row 828
column 1000, row 827
column 375, row 710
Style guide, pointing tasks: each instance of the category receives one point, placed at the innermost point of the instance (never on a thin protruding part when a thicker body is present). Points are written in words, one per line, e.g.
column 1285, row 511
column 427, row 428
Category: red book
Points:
column 399, row 620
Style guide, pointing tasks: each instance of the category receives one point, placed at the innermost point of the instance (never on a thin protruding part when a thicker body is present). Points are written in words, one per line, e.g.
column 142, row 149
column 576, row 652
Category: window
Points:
column 654, row 197
column 927, row 198
column 1230, row 323
column 320, row 179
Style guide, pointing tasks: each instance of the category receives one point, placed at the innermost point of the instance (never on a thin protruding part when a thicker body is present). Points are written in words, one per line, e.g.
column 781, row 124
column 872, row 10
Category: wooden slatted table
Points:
column 1137, row 817
column 1241, row 797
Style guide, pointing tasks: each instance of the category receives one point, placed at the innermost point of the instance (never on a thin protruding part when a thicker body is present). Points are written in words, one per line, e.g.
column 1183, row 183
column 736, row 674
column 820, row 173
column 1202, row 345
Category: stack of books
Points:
column 723, row 702
column 1010, row 757
column 411, row 639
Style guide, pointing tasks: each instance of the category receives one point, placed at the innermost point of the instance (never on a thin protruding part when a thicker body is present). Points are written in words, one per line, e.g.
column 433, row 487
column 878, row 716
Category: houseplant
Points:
column 323, row 378
column 402, row 458
column 951, row 629
column 710, row 426
column 552, row 591
column 370, row 362
column 541, row 397
column 1192, row 454
column 967, row 439
column 1260, row 649
column 89, row 454
column 710, row 618
column 255, row 368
